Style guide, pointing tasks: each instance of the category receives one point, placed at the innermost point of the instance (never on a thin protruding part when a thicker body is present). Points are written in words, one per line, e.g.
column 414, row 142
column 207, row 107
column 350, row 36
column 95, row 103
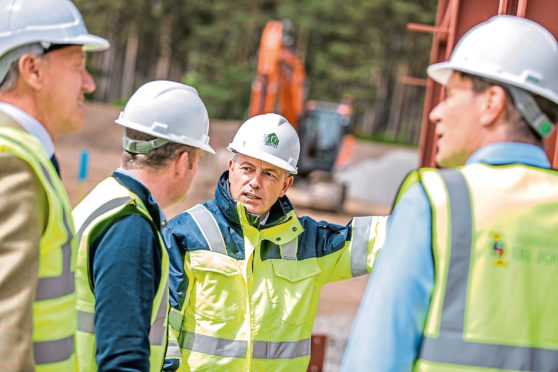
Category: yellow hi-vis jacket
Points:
column 495, row 247
column 248, row 298
column 54, row 316
column 108, row 202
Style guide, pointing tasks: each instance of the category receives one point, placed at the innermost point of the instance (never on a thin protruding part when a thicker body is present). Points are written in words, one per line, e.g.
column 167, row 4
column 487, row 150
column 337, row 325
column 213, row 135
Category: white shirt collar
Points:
column 264, row 219
column 30, row 124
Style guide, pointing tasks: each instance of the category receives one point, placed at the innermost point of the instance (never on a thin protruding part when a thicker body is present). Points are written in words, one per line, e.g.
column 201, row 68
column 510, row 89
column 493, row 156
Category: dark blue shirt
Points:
column 126, row 271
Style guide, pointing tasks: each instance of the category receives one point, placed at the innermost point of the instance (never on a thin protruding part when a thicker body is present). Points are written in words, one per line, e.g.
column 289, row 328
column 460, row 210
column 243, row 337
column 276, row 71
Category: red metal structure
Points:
column 453, row 19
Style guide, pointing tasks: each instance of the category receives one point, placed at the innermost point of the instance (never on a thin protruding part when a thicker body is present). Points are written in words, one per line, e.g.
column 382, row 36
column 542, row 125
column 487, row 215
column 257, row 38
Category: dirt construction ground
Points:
column 102, row 140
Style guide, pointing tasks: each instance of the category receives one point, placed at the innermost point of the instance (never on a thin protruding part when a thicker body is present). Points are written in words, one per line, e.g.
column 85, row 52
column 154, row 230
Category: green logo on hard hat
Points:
column 546, row 127
column 271, row 140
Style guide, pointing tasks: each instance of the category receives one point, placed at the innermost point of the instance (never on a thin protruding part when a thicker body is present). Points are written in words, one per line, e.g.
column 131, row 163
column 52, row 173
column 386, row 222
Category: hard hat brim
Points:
column 183, row 140
column 91, row 43
column 440, row 72
column 263, row 156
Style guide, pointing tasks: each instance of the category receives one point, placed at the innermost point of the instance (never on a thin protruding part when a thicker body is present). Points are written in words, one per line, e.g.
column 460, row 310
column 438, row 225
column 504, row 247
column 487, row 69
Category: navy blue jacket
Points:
column 319, row 238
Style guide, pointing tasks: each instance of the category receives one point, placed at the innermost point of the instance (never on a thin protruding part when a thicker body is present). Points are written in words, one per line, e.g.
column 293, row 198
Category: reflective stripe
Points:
column 51, row 288
column 237, row 349
column 58, row 286
column 213, row 345
column 359, row 245
column 289, row 250
column 281, row 350
column 53, row 351
column 209, row 228
column 86, row 322
column 111, row 204
column 450, row 347
column 453, row 310
column 175, row 319
column 173, row 349
column 453, row 350
column 158, row 328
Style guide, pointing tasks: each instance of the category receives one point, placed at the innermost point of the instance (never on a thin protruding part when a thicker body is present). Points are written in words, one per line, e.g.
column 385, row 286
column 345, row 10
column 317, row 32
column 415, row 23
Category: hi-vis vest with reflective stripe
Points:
column 495, row 243
column 257, row 314
column 106, row 203
column 54, row 316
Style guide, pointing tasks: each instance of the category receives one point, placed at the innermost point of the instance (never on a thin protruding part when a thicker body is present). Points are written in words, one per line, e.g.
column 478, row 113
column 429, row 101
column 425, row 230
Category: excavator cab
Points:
column 322, row 127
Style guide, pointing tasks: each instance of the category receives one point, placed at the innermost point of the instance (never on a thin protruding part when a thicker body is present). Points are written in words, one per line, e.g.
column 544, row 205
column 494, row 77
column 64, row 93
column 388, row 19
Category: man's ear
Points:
column 181, row 163
column 286, row 184
column 493, row 104
column 30, row 69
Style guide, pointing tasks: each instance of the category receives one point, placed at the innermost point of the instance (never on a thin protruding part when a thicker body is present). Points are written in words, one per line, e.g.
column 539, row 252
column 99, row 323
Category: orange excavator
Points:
column 323, row 127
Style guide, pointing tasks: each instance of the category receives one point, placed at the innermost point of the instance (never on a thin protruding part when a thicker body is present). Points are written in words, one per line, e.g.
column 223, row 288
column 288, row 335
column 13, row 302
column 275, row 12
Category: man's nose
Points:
column 255, row 181
column 87, row 82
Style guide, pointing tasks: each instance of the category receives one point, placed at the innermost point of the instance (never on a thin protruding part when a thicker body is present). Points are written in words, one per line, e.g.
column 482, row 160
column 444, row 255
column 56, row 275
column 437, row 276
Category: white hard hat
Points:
column 270, row 138
column 51, row 21
column 507, row 49
column 38, row 24
column 169, row 110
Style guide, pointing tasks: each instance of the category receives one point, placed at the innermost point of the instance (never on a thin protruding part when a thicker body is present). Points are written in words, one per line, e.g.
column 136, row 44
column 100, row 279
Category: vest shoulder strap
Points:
column 209, row 228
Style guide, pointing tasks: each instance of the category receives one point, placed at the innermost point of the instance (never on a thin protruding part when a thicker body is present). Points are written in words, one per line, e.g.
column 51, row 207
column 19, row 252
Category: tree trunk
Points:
column 164, row 61
column 129, row 70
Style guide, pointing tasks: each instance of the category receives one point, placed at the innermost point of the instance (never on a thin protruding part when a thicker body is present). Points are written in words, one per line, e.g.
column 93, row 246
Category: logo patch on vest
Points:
column 499, row 250
column 271, row 140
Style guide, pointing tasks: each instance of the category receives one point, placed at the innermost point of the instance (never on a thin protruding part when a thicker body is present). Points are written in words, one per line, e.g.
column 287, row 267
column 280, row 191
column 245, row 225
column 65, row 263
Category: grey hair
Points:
column 9, row 70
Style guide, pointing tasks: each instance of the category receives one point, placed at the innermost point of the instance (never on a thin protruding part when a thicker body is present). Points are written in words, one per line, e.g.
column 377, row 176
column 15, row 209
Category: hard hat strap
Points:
column 530, row 111
column 142, row 147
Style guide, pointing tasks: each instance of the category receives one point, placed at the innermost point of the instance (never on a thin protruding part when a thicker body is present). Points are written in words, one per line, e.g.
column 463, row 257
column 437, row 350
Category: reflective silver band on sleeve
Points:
column 359, row 245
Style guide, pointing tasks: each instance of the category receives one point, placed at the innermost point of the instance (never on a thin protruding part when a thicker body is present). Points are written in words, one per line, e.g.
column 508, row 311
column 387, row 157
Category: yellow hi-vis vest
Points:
column 256, row 315
column 105, row 204
column 54, row 316
column 495, row 244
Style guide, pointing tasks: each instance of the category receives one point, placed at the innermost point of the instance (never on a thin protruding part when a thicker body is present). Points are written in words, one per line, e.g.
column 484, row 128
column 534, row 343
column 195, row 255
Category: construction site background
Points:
column 373, row 176
column 357, row 48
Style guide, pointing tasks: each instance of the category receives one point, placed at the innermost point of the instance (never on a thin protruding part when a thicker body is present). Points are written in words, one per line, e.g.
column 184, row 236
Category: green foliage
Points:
column 354, row 47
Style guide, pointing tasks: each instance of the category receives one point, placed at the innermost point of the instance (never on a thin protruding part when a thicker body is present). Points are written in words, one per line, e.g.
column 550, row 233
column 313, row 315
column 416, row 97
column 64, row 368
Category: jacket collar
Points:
column 227, row 205
column 129, row 181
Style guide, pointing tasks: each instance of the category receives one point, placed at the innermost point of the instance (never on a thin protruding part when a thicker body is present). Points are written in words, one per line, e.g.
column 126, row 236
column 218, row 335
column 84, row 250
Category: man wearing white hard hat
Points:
column 246, row 285
column 468, row 275
column 42, row 85
column 123, row 265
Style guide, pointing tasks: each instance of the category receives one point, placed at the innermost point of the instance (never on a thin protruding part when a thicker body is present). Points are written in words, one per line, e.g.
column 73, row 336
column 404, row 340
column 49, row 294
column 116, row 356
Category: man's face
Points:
column 61, row 97
column 186, row 178
column 191, row 171
column 457, row 122
column 257, row 184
